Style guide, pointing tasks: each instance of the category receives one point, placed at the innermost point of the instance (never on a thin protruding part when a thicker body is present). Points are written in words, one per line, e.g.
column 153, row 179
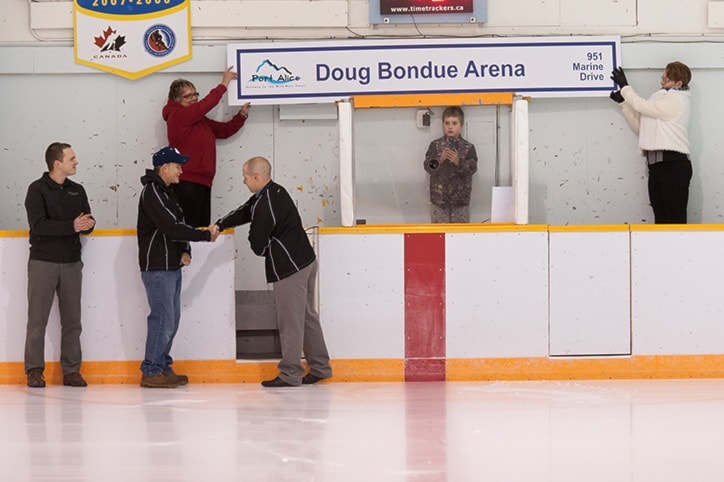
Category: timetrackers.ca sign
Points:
column 326, row 71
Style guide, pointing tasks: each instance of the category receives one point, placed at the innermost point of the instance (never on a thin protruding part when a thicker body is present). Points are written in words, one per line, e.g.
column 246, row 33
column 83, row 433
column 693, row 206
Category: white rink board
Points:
column 362, row 283
column 590, row 299
column 114, row 306
column 677, row 284
column 497, row 294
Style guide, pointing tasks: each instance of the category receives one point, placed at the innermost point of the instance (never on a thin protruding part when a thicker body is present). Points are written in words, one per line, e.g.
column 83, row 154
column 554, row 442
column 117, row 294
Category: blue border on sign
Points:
column 608, row 44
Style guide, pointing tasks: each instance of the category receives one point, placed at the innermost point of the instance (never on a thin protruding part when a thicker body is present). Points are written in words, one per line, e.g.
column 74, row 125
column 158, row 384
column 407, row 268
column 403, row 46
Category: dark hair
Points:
column 177, row 86
column 678, row 71
column 54, row 152
column 454, row 111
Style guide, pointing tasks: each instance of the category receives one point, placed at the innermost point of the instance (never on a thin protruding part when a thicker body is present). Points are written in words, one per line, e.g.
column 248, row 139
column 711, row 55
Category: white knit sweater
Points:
column 662, row 121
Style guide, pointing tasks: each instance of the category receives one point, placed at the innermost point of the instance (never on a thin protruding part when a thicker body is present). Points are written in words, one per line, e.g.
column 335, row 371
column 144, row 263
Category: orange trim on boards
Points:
column 393, row 370
column 209, row 371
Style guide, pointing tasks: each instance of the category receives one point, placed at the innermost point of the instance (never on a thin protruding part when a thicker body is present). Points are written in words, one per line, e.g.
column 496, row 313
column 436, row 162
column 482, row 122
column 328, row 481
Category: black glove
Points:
column 619, row 77
column 616, row 95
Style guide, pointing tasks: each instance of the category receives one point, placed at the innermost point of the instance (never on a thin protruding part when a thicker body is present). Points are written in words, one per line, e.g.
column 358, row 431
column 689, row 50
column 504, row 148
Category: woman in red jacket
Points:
column 194, row 135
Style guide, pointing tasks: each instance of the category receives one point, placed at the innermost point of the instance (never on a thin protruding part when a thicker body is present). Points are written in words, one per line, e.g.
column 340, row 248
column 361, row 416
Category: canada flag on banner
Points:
column 132, row 38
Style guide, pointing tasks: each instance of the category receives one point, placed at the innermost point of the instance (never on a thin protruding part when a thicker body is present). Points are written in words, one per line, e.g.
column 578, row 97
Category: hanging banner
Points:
column 131, row 38
column 326, row 71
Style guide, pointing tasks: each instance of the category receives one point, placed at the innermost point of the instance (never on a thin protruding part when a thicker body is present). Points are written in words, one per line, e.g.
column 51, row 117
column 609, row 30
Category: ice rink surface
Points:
column 562, row 431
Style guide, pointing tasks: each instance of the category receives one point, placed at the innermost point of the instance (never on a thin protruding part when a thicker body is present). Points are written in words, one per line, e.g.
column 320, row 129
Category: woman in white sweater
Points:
column 662, row 124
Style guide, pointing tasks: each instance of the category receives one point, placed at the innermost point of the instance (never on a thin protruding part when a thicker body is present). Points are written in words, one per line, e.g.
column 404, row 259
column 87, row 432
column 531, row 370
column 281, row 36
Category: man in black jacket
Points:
column 163, row 248
column 58, row 212
column 276, row 233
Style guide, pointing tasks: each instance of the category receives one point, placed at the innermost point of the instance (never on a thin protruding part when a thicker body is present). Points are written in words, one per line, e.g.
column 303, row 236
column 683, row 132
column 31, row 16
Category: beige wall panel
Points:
column 598, row 12
column 534, row 13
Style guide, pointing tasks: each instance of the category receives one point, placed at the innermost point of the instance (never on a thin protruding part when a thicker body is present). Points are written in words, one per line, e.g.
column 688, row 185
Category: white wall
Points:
column 252, row 19
column 585, row 167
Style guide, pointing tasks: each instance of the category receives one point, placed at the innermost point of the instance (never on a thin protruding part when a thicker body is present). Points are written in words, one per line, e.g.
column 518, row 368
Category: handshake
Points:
column 214, row 230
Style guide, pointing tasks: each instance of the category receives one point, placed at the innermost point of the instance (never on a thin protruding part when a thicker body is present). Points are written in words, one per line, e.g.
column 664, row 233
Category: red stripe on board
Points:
column 425, row 307
column 425, row 369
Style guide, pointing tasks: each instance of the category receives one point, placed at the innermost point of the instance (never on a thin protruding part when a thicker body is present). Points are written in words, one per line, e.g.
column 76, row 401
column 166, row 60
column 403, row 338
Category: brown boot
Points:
column 35, row 378
column 159, row 380
column 182, row 379
column 74, row 380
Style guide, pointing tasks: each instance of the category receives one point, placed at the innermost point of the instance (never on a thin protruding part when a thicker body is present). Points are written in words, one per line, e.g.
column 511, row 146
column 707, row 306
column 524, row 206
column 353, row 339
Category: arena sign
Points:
column 327, row 71
column 131, row 38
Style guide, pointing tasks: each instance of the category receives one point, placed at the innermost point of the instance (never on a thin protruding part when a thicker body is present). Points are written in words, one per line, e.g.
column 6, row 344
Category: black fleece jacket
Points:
column 163, row 236
column 276, row 231
column 51, row 209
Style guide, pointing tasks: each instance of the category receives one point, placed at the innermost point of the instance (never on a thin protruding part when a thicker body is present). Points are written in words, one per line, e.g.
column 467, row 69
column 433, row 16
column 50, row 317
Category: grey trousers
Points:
column 45, row 279
column 299, row 327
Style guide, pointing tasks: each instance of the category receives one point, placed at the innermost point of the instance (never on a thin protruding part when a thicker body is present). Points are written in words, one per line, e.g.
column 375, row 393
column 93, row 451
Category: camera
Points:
column 434, row 163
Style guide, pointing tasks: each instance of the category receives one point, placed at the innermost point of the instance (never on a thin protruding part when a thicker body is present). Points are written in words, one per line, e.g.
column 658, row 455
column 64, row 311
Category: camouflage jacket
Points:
column 451, row 184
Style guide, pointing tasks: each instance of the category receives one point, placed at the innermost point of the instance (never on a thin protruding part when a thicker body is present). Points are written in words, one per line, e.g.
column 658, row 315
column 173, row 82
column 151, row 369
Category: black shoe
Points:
column 309, row 379
column 276, row 383
column 35, row 378
column 74, row 380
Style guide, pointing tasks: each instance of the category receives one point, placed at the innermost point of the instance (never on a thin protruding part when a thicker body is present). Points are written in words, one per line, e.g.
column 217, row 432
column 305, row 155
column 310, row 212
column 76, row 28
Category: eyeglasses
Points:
column 192, row 95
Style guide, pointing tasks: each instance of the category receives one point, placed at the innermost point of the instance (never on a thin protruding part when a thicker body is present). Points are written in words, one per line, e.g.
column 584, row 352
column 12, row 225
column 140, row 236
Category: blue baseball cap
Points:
column 169, row 154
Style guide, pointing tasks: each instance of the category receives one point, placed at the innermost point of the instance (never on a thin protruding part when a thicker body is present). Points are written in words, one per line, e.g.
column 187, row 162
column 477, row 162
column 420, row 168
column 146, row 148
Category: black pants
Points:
column 195, row 201
column 669, row 191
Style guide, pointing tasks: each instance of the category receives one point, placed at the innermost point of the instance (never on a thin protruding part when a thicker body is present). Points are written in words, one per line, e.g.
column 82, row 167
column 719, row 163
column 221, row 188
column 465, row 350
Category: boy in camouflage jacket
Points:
column 451, row 162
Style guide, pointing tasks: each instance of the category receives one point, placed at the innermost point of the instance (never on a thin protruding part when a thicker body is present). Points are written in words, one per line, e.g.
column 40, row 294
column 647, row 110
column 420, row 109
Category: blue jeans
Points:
column 163, row 290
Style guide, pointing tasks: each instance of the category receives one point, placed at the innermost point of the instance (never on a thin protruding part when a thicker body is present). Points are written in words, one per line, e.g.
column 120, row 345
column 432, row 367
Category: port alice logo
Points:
column 270, row 73
column 159, row 40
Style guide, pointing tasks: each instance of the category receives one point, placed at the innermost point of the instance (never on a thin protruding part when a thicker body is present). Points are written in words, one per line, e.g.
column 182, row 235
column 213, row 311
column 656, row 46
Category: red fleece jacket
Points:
column 194, row 134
